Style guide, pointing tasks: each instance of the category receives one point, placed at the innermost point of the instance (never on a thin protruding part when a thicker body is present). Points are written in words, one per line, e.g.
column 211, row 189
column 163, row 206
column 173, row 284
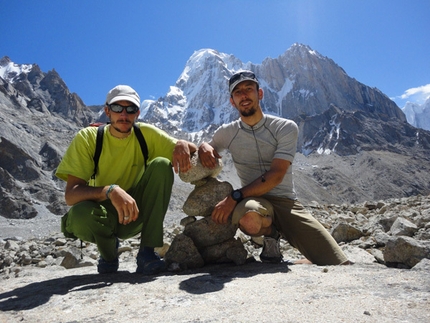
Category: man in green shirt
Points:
column 125, row 197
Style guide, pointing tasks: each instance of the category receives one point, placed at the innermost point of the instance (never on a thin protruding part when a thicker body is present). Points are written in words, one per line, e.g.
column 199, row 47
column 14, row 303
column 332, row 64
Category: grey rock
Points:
column 387, row 222
column 344, row 232
column 11, row 245
column 60, row 242
column 424, row 265
column 358, row 255
column 198, row 172
column 381, row 238
column 231, row 250
column 406, row 251
column 184, row 254
column 203, row 198
column 403, row 227
column 378, row 254
column 71, row 260
column 187, row 220
column 237, row 254
column 205, row 232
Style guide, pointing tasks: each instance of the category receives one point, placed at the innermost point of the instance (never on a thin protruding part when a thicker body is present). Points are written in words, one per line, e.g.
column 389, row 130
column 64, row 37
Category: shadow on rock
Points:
column 214, row 278
column 39, row 293
column 205, row 280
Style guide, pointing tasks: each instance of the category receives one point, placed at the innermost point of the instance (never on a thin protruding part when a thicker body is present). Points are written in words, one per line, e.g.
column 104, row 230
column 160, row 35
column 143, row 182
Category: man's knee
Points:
column 160, row 162
column 160, row 167
column 252, row 223
column 249, row 206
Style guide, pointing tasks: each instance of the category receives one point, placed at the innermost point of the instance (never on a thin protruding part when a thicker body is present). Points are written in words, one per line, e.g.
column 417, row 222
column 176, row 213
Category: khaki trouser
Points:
column 97, row 222
column 297, row 226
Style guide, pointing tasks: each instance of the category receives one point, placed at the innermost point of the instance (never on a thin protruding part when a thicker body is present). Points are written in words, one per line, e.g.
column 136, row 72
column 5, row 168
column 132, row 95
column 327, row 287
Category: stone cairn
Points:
column 203, row 241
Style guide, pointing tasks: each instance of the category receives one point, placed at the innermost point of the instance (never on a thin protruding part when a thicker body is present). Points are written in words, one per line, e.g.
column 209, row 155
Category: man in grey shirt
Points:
column 263, row 149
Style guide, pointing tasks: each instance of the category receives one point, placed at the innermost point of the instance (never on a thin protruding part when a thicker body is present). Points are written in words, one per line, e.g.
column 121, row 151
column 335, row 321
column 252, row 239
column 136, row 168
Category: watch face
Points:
column 237, row 195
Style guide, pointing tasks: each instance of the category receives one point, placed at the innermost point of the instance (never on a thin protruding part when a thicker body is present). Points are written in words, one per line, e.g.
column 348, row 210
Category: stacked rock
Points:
column 203, row 241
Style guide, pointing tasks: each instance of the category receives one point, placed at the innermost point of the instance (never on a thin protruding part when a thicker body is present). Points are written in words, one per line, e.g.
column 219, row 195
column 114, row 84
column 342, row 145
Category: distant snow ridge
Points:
column 332, row 139
column 9, row 71
column 199, row 97
column 297, row 84
column 418, row 115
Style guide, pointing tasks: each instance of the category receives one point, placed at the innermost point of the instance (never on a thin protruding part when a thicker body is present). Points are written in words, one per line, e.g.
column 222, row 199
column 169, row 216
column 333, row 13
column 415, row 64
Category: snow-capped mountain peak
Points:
column 9, row 71
column 418, row 115
column 299, row 82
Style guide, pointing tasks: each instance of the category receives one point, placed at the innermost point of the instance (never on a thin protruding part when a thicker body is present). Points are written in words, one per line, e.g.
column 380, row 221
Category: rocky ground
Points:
column 45, row 279
column 255, row 292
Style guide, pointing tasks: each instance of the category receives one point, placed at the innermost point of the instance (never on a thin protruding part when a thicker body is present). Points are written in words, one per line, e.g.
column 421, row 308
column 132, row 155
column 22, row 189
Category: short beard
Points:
column 248, row 113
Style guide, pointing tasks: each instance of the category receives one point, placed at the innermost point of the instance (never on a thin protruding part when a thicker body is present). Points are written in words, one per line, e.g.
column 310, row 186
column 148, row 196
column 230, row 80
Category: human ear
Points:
column 107, row 111
column 137, row 115
column 232, row 102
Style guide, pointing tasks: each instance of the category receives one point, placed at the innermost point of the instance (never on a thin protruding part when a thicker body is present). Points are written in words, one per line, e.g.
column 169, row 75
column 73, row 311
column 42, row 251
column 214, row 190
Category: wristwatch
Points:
column 237, row 195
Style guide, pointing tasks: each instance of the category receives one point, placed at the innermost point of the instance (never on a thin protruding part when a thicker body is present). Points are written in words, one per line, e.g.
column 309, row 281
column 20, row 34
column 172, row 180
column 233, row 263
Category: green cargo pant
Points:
column 97, row 222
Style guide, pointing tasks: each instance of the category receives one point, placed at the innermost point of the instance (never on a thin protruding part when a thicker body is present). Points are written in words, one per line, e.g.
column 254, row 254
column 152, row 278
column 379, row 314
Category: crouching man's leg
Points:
column 306, row 234
column 93, row 222
column 152, row 195
column 254, row 216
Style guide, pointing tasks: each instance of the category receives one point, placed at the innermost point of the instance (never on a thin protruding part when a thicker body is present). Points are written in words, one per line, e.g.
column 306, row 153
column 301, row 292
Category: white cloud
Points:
column 417, row 94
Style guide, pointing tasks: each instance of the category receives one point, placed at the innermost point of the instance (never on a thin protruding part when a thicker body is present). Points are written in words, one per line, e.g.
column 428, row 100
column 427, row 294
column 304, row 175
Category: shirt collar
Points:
column 256, row 126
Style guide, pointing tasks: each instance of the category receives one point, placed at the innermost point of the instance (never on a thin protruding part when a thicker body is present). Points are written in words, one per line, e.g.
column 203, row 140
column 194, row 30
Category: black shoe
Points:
column 108, row 267
column 149, row 263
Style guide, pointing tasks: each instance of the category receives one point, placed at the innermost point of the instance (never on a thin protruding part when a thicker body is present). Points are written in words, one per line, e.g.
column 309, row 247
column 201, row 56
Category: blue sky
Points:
column 97, row 44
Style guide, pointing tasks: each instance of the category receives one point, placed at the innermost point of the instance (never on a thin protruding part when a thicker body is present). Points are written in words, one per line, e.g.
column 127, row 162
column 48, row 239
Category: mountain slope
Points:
column 354, row 144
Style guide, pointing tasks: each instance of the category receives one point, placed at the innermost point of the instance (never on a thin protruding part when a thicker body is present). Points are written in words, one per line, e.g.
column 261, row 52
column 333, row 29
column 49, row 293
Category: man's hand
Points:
column 222, row 210
column 182, row 156
column 125, row 205
column 77, row 191
column 208, row 155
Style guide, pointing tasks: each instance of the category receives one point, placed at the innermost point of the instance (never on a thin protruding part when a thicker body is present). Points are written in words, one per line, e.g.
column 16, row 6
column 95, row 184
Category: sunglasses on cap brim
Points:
column 244, row 75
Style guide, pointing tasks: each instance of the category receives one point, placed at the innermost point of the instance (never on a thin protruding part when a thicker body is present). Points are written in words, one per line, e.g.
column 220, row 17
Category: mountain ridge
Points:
column 354, row 133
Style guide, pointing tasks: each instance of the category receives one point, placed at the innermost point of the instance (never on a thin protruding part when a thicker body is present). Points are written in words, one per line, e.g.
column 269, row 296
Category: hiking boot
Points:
column 108, row 267
column 271, row 250
column 149, row 263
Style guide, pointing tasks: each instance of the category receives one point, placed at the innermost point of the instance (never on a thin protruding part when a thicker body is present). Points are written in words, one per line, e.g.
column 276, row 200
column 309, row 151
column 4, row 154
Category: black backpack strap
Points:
column 99, row 145
column 142, row 142
column 98, row 151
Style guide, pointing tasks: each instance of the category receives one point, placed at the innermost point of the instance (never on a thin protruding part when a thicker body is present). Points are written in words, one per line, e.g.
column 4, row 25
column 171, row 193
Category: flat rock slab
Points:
column 254, row 292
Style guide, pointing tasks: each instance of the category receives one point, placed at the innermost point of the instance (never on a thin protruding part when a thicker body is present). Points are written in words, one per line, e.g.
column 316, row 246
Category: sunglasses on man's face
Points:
column 241, row 75
column 131, row 109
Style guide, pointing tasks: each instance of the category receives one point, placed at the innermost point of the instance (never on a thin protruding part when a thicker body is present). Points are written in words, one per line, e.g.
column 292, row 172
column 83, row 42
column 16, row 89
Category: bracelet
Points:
column 110, row 189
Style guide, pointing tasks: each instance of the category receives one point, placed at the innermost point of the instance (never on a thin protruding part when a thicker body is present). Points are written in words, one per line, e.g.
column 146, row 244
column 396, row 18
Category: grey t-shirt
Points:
column 253, row 148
